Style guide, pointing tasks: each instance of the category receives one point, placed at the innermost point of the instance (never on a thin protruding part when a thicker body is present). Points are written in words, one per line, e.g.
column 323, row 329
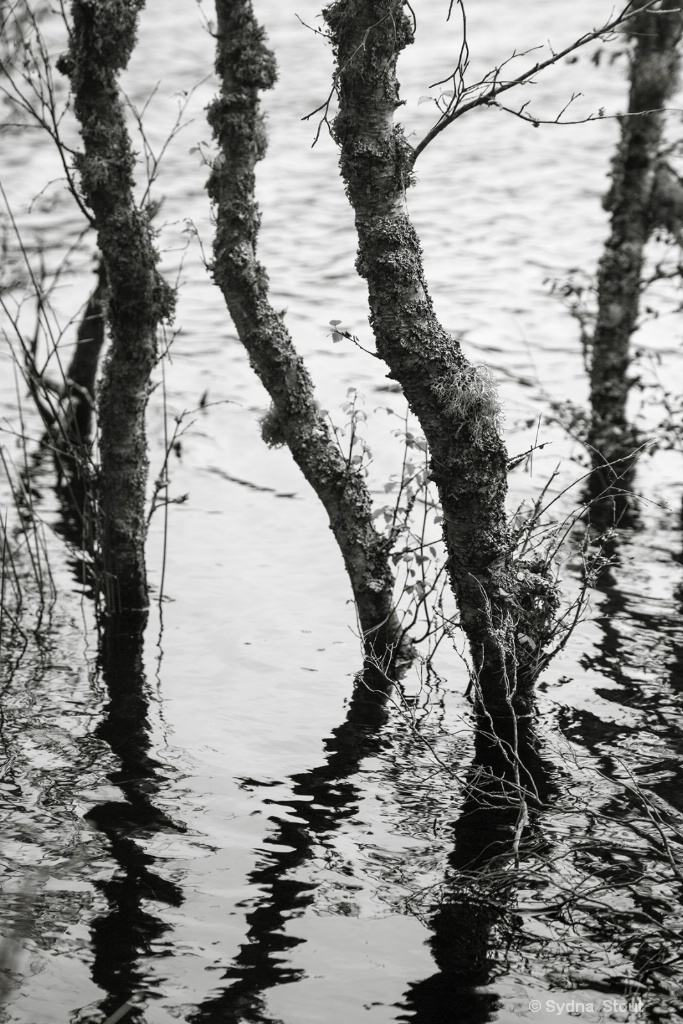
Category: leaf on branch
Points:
column 425, row 99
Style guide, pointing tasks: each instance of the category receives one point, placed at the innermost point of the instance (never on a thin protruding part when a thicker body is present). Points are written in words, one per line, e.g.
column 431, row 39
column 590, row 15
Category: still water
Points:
column 239, row 836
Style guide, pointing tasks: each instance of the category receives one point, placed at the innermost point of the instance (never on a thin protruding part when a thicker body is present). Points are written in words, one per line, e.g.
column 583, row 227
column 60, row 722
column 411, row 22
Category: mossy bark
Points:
column 246, row 66
column 102, row 39
column 642, row 198
column 506, row 607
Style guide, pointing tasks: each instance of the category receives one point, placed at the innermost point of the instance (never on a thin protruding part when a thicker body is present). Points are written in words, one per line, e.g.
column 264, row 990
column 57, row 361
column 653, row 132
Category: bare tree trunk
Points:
column 246, row 66
column 81, row 375
column 645, row 195
column 506, row 607
column 101, row 42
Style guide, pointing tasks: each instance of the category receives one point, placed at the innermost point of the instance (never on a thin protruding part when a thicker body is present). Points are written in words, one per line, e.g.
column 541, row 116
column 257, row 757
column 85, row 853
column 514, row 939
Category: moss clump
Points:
column 271, row 429
column 470, row 400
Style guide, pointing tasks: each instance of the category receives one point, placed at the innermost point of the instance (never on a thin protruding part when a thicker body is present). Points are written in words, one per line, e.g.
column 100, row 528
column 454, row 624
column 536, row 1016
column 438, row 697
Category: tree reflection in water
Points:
column 322, row 799
column 475, row 925
column 129, row 928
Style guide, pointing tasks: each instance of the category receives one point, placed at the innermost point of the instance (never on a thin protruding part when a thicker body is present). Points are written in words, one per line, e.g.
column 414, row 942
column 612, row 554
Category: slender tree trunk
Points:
column 102, row 39
column 506, row 607
column 81, row 375
column 644, row 196
column 246, row 66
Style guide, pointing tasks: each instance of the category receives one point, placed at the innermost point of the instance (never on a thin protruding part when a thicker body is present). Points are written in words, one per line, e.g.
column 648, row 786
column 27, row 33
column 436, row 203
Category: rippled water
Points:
column 227, row 833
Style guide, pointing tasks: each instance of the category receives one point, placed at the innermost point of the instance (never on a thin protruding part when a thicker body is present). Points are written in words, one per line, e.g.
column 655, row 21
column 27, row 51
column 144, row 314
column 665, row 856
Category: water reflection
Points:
column 322, row 800
column 635, row 854
column 129, row 929
column 475, row 924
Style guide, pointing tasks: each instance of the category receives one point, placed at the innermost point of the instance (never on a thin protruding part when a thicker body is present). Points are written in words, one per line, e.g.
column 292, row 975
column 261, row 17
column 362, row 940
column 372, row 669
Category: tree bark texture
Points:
column 101, row 41
column 246, row 66
column 506, row 606
column 644, row 196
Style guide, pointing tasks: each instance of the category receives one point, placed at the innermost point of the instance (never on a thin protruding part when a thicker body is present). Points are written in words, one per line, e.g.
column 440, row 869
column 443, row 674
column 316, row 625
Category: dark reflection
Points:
column 129, row 928
column 638, row 840
column 610, row 499
column 322, row 800
column 624, row 625
column 475, row 925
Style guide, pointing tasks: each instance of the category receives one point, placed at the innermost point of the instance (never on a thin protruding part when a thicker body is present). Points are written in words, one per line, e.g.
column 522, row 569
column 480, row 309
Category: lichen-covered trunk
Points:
column 101, row 41
column 246, row 66
column 639, row 202
column 506, row 607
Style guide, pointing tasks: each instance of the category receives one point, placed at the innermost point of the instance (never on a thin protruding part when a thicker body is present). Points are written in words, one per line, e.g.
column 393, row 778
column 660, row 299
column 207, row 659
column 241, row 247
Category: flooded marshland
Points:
column 220, row 820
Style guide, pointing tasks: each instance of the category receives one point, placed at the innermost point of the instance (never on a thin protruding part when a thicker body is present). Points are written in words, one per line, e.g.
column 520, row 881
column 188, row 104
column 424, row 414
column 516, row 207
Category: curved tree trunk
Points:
column 506, row 607
column 645, row 195
column 101, row 42
column 246, row 66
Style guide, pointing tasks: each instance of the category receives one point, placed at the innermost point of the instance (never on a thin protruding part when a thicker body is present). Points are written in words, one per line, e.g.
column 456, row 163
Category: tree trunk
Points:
column 506, row 607
column 81, row 375
column 245, row 66
column 639, row 201
column 101, row 42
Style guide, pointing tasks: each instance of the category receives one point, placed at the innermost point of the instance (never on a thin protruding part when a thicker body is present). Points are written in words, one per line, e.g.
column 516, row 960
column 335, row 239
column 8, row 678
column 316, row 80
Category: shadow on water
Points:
column 322, row 800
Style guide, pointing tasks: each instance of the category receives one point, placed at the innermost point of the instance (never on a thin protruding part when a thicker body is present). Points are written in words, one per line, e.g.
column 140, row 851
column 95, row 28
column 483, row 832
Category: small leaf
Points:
column 334, row 323
column 425, row 99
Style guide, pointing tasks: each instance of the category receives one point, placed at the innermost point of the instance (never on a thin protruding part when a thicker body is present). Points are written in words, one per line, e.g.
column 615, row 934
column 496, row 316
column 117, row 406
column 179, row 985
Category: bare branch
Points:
column 488, row 97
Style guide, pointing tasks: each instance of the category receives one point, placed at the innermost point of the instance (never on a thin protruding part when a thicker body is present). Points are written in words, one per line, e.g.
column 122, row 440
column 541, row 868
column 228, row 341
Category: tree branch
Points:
column 488, row 97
